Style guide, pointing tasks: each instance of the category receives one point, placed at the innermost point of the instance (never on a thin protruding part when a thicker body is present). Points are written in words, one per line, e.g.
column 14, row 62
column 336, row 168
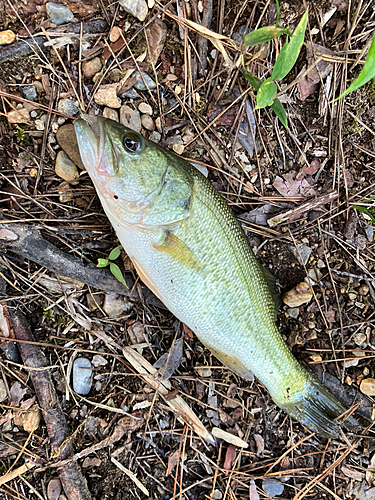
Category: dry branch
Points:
column 71, row 477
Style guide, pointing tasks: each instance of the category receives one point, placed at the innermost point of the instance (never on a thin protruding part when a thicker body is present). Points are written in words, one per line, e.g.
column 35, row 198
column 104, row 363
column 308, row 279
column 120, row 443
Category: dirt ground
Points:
column 304, row 196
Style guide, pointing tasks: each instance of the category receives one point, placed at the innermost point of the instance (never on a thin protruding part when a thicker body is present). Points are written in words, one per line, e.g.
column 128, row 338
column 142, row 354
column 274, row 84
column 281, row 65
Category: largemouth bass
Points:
column 189, row 249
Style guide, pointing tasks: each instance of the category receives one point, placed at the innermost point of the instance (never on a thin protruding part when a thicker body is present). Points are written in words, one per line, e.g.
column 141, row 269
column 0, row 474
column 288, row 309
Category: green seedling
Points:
column 369, row 211
column 115, row 270
column 267, row 90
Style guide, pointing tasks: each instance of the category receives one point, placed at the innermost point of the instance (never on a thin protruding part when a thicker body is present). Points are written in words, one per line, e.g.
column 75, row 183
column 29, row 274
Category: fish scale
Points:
column 190, row 250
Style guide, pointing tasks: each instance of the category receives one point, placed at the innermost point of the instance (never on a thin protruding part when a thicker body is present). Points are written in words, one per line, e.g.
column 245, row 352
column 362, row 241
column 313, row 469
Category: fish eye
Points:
column 131, row 143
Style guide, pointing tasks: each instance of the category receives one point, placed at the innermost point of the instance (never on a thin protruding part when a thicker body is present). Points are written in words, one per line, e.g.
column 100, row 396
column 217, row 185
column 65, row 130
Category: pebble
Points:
column 300, row 294
column 106, row 95
column 369, row 230
column 368, row 386
column 3, row 392
column 130, row 94
column 65, row 192
column 158, row 124
column 18, row 116
column 40, row 124
column 130, row 118
column 314, row 274
column 139, row 85
column 178, row 148
column 68, row 107
column 145, row 108
column 54, row 489
column 94, row 304
column 114, row 75
column 363, row 290
column 99, row 360
column 58, row 14
column 137, row 8
column 272, row 488
column 110, row 113
column 67, row 141
column 114, row 34
column 90, row 68
column 7, row 37
column 147, row 122
column 155, row 136
column 29, row 92
column 359, row 338
column 65, row 168
column 293, row 312
column 302, row 253
column 82, row 371
column 115, row 304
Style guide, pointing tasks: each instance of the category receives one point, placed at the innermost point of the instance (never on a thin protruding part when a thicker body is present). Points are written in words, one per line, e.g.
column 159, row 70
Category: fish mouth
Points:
column 95, row 146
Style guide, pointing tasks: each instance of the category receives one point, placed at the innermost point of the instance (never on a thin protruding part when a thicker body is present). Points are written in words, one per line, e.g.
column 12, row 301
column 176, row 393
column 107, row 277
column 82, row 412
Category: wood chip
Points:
column 229, row 438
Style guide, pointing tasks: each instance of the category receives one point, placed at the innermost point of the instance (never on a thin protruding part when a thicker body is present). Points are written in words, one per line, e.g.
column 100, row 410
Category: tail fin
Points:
column 317, row 409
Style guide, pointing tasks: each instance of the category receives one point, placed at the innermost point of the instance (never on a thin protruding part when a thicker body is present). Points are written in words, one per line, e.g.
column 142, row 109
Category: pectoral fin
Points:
column 234, row 364
column 178, row 250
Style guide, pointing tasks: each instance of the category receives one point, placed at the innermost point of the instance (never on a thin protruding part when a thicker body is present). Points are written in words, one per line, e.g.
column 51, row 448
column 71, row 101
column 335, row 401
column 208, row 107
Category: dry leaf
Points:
column 230, row 457
column 289, row 186
column 253, row 491
column 172, row 462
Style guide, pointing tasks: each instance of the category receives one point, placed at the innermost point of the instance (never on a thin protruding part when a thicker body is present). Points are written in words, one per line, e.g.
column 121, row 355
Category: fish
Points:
column 188, row 248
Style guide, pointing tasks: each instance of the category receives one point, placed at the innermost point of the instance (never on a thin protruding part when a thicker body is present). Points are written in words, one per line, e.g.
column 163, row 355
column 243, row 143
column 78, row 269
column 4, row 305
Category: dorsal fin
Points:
column 271, row 282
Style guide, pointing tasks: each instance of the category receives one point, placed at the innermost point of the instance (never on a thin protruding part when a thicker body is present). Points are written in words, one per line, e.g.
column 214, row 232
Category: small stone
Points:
column 115, row 75
column 67, row 141
column 145, row 108
column 302, row 253
column 3, row 392
column 359, row 338
column 368, row 386
column 171, row 77
column 33, row 114
column 314, row 274
column 369, row 230
column 18, row 116
column 94, row 302
column 363, row 290
column 65, row 192
column 137, row 8
column 300, row 294
column 58, row 14
column 130, row 118
column 111, row 114
column 217, row 495
column 90, row 68
column 7, row 37
column 82, row 372
column 65, row 168
column 99, row 360
column 68, row 107
column 115, row 304
column 352, row 296
column 178, row 148
column 40, row 124
column 158, row 124
column 316, row 358
column 29, row 92
column 143, row 85
column 155, row 136
column 54, row 489
column 106, row 95
column 293, row 312
column 320, row 264
column 130, row 94
column 272, row 488
column 114, row 34
column 147, row 122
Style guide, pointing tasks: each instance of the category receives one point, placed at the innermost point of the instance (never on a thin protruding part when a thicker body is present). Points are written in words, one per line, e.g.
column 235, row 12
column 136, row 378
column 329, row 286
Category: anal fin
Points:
column 233, row 364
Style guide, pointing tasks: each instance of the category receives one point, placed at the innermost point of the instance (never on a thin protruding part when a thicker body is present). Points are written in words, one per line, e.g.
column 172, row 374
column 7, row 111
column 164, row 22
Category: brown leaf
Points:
column 172, row 462
column 16, row 394
column 289, row 186
column 230, row 457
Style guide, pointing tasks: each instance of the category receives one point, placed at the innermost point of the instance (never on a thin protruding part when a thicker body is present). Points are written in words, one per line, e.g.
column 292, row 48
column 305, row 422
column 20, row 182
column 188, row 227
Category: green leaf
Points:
column 266, row 94
column 367, row 73
column 365, row 211
column 289, row 53
column 279, row 111
column 102, row 262
column 116, row 271
column 115, row 253
column 263, row 35
column 278, row 12
column 252, row 79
